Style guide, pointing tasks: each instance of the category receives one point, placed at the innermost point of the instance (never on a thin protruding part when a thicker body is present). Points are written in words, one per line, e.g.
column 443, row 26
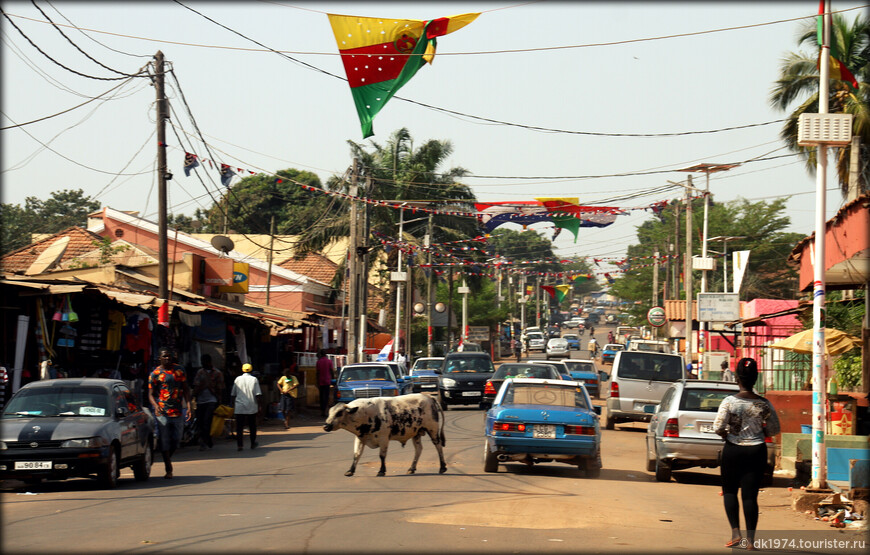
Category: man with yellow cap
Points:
column 246, row 396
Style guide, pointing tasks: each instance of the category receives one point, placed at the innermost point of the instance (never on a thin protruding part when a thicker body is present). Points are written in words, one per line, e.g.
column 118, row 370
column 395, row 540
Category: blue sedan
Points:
column 573, row 341
column 585, row 372
column 367, row 380
column 538, row 420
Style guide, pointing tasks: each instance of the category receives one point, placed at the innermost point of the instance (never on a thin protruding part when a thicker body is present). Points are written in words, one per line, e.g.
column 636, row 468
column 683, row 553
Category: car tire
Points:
column 490, row 462
column 108, row 475
column 650, row 462
column 609, row 423
column 662, row 470
column 444, row 405
column 142, row 467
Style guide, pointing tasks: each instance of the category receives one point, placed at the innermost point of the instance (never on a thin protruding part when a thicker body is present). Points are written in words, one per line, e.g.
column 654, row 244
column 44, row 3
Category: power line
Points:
column 74, row 26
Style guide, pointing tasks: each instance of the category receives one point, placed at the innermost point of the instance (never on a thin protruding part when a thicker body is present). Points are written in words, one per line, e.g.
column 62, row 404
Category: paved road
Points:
column 291, row 495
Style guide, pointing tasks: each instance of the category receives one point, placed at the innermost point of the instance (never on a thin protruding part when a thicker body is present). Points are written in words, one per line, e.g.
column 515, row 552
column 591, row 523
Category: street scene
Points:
column 390, row 277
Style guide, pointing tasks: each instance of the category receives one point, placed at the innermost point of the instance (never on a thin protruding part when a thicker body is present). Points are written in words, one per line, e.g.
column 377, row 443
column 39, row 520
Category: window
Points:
column 545, row 394
column 704, row 400
column 650, row 366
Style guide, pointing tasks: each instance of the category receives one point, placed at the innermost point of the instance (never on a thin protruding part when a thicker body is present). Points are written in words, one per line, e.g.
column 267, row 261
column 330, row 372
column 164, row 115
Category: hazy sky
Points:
column 589, row 68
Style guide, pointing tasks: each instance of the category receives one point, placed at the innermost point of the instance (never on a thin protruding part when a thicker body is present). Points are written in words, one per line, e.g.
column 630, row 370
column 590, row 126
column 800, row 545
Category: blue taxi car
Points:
column 585, row 371
column 535, row 420
column 365, row 380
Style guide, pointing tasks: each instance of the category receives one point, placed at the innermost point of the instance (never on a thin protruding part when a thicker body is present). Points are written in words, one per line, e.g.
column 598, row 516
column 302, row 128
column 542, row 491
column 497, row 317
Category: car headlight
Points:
column 447, row 382
column 90, row 442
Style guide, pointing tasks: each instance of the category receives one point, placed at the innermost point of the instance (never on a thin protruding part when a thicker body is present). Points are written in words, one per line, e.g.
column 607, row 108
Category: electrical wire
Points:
column 74, row 26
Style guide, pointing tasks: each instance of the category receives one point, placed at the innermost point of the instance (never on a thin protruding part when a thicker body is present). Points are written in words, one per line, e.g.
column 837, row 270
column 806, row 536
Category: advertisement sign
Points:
column 656, row 316
column 718, row 307
column 218, row 271
column 241, row 271
column 476, row 334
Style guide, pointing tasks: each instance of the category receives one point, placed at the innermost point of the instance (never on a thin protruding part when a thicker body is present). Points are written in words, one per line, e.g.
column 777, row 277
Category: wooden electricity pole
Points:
column 163, row 251
column 351, row 274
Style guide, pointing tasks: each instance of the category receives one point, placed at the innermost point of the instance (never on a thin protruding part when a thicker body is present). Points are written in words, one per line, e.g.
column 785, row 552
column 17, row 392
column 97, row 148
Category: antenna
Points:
column 222, row 243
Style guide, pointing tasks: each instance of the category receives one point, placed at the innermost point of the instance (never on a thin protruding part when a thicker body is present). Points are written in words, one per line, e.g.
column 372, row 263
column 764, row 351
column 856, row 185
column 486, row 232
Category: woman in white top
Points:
column 744, row 420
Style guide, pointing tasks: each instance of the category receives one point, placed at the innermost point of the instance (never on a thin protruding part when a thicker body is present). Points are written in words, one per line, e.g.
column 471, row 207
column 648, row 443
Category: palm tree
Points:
column 799, row 81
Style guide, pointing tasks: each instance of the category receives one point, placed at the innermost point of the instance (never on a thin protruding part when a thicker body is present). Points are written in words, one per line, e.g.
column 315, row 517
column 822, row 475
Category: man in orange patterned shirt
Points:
column 168, row 392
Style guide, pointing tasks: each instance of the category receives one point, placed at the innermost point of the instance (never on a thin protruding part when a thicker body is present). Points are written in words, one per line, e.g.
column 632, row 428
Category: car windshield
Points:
column 469, row 364
column 545, row 394
column 704, row 400
column 535, row 336
column 569, row 336
column 430, row 364
column 580, row 366
column 59, row 401
column 614, row 347
column 357, row 373
column 509, row 370
column 650, row 366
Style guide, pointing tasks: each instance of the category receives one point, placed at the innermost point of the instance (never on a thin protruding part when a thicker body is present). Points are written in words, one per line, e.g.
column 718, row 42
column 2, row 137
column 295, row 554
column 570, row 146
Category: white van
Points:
column 650, row 345
column 638, row 381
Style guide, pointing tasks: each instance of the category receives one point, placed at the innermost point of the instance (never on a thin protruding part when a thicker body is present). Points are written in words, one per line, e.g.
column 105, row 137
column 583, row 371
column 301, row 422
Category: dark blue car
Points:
column 365, row 380
column 538, row 420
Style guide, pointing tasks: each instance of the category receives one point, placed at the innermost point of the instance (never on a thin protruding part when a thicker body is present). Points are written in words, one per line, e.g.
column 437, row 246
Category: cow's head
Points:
column 338, row 417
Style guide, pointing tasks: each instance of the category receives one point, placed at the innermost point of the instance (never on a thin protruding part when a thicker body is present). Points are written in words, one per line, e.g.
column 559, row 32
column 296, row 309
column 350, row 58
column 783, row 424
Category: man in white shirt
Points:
column 246, row 396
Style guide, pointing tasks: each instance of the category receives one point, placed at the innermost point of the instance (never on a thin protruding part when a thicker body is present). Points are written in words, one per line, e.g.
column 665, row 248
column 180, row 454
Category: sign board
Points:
column 699, row 263
column 241, row 271
column 218, row 271
column 398, row 276
column 477, row 334
column 656, row 316
column 718, row 307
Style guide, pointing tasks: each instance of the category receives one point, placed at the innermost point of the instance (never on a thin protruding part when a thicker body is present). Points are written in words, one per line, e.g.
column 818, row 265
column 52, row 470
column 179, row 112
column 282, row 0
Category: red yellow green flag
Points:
column 562, row 292
column 838, row 69
column 381, row 54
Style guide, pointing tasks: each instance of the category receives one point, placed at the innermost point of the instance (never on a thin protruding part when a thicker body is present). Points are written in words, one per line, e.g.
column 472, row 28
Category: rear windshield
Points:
column 59, row 401
column 580, row 366
column 545, row 394
column 506, row 371
column 649, row 366
column 481, row 365
column 704, row 400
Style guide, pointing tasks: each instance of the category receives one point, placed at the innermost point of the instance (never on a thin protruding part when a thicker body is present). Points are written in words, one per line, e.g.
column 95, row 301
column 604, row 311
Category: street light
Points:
column 725, row 239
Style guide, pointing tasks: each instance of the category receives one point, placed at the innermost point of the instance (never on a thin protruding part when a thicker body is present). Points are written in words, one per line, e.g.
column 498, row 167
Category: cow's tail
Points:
column 441, row 423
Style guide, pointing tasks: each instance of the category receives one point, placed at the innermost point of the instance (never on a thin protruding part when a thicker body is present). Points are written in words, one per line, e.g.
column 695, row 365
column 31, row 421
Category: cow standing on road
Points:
column 375, row 422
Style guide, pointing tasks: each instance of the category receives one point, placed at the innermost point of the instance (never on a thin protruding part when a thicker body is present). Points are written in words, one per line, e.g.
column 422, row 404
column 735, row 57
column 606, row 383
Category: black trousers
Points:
column 251, row 421
column 324, row 398
column 742, row 468
column 204, row 413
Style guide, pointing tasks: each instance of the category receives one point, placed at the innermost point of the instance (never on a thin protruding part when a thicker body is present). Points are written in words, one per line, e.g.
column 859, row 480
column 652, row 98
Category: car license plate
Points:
column 428, row 386
column 705, row 428
column 471, row 393
column 546, row 431
column 32, row 465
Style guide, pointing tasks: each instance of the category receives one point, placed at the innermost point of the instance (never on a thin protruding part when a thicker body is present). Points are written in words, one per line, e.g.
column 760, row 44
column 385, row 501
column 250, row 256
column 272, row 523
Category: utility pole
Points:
column 351, row 280
column 688, row 270
column 428, row 243
column 655, row 299
column 409, row 310
column 523, row 302
column 538, row 301
column 399, row 278
column 464, row 291
column 450, row 310
column 271, row 251
column 362, row 271
column 163, row 251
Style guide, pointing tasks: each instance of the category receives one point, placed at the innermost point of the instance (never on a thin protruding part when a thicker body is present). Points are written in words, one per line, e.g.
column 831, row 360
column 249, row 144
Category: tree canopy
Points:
column 65, row 208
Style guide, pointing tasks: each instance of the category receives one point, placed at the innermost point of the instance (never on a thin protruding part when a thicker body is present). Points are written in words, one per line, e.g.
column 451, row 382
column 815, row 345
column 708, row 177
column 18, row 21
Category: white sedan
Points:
column 557, row 347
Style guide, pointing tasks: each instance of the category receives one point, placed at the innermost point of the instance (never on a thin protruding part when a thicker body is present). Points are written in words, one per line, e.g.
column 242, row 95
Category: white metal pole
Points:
column 702, row 336
column 725, row 265
column 399, row 286
column 523, row 300
column 464, row 311
column 819, row 466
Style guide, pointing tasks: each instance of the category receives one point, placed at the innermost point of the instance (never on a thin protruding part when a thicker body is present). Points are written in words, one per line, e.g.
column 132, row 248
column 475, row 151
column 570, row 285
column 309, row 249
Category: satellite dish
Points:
column 222, row 243
column 48, row 258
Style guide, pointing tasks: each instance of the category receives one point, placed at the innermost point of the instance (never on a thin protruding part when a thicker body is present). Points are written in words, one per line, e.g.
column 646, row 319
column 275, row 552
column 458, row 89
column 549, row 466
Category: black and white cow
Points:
column 375, row 422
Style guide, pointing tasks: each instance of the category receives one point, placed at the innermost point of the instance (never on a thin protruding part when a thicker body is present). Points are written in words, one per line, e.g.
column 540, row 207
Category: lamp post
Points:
column 725, row 239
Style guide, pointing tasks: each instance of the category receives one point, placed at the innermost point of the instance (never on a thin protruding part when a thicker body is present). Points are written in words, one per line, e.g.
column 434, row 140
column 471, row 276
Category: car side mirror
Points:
column 597, row 409
column 438, row 371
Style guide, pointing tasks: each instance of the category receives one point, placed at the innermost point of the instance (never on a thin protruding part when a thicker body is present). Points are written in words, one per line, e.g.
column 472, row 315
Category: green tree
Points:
column 799, row 82
column 65, row 208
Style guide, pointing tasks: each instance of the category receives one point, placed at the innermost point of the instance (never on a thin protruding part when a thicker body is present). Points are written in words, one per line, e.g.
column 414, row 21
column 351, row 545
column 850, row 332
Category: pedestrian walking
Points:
column 324, row 379
column 288, row 385
column 168, row 394
column 246, row 395
column 727, row 374
column 208, row 387
column 593, row 347
column 744, row 420
column 610, row 337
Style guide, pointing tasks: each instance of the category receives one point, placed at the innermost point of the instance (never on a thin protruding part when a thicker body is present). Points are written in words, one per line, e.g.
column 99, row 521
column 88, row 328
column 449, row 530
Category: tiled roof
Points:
column 81, row 242
column 314, row 265
column 676, row 310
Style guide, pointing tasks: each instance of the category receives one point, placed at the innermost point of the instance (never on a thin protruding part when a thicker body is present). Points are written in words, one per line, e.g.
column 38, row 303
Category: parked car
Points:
column 463, row 378
column 535, row 342
column 573, row 341
column 585, row 371
column 424, row 374
column 650, row 345
column 680, row 434
column 364, row 380
column 400, row 370
column 73, row 427
column 557, row 347
column 535, row 420
column 638, row 382
column 610, row 350
column 510, row 370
